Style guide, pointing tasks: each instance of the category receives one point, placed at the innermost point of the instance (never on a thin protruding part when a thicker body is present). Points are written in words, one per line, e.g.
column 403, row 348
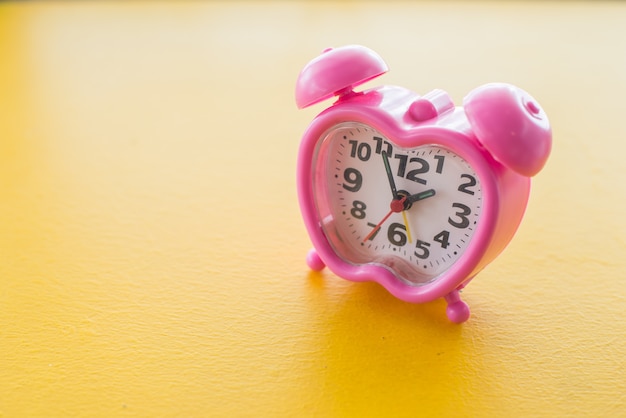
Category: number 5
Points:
column 422, row 245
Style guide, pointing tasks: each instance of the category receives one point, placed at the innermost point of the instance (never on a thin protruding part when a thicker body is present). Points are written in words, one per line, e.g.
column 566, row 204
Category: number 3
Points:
column 464, row 222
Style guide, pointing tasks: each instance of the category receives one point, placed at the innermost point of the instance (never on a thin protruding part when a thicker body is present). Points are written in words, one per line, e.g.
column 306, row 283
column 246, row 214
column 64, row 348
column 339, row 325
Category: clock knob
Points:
column 337, row 71
column 510, row 125
column 430, row 105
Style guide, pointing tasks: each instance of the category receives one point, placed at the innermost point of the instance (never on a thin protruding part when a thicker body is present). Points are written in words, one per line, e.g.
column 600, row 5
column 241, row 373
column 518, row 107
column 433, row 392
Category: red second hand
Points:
column 396, row 206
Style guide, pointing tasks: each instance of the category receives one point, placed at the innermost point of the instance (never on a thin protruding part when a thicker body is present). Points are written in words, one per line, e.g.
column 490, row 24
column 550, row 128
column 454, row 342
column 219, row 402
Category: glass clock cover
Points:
column 413, row 211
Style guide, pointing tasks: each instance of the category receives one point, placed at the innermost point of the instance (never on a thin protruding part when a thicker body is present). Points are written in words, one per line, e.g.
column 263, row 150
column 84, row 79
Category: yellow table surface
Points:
column 152, row 249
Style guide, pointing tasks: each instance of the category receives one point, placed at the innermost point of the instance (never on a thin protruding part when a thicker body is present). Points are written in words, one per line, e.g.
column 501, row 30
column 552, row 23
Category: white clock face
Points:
column 413, row 211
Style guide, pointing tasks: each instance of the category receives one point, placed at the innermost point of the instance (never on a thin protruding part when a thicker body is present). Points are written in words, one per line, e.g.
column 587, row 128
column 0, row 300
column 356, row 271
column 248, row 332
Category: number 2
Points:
column 465, row 186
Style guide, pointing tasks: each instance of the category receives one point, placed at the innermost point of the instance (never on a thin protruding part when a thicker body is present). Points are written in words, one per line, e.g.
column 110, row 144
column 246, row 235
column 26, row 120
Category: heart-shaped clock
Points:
column 411, row 191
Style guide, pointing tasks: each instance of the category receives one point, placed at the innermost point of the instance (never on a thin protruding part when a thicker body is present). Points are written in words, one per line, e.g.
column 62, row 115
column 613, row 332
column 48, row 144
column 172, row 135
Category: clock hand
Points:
column 420, row 196
column 390, row 175
column 397, row 205
column 406, row 224
column 412, row 199
column 394, row 191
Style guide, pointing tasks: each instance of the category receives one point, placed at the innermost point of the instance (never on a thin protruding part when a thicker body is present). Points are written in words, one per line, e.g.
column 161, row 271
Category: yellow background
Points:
column 152, row 250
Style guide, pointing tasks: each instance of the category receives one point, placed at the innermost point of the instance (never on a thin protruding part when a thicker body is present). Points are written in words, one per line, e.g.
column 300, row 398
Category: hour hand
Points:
column 392, row 183
column 420, row 196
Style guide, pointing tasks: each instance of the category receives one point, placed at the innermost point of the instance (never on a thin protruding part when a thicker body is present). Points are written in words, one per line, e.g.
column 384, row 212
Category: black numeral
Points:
column 440, row 159
column 379, row 146
column 358, row 209
column 423, row 247
column 353, row 177
column 397, row 234
column 412, row 175
column 443, row 238
column 462, row 214
column 371, row 225
column 465, row 186
column 402, row 166
column 361, row 150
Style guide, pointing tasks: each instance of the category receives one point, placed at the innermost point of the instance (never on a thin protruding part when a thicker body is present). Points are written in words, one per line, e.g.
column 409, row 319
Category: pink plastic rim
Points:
column 454, row 141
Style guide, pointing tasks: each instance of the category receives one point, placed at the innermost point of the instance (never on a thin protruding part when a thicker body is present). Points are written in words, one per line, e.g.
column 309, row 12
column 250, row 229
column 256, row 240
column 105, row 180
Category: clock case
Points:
column 500, row 131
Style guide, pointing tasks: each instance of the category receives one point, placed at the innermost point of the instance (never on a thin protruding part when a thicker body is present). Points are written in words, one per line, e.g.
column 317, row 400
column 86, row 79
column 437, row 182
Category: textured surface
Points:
column 152, row 251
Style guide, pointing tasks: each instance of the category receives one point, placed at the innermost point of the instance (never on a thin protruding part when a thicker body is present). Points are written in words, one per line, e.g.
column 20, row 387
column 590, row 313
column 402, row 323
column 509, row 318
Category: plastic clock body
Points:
column 411, row 191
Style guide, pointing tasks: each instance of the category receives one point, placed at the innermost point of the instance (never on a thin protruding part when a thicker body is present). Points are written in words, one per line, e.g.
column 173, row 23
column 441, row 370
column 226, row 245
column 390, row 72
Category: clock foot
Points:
column 314, row 261
column 457, row 310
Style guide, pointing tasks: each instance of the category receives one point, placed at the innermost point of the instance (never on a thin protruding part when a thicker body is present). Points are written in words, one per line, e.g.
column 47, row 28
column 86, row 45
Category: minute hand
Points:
column 420, row 196
column 392, row 183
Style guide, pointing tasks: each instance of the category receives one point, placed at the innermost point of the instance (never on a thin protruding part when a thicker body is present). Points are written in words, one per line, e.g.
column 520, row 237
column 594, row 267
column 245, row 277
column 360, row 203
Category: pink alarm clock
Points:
column 411, row 191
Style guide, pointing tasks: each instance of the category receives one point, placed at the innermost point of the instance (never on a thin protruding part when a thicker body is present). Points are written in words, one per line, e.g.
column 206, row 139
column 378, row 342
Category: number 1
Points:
column 440, row 159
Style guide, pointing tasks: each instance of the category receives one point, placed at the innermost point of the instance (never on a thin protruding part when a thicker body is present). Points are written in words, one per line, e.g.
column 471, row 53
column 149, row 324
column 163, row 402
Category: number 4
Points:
column 443, row 238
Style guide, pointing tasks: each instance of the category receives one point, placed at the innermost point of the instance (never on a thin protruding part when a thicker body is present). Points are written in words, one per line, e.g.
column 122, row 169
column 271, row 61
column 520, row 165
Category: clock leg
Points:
column 314, row 261
column 457, row 310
